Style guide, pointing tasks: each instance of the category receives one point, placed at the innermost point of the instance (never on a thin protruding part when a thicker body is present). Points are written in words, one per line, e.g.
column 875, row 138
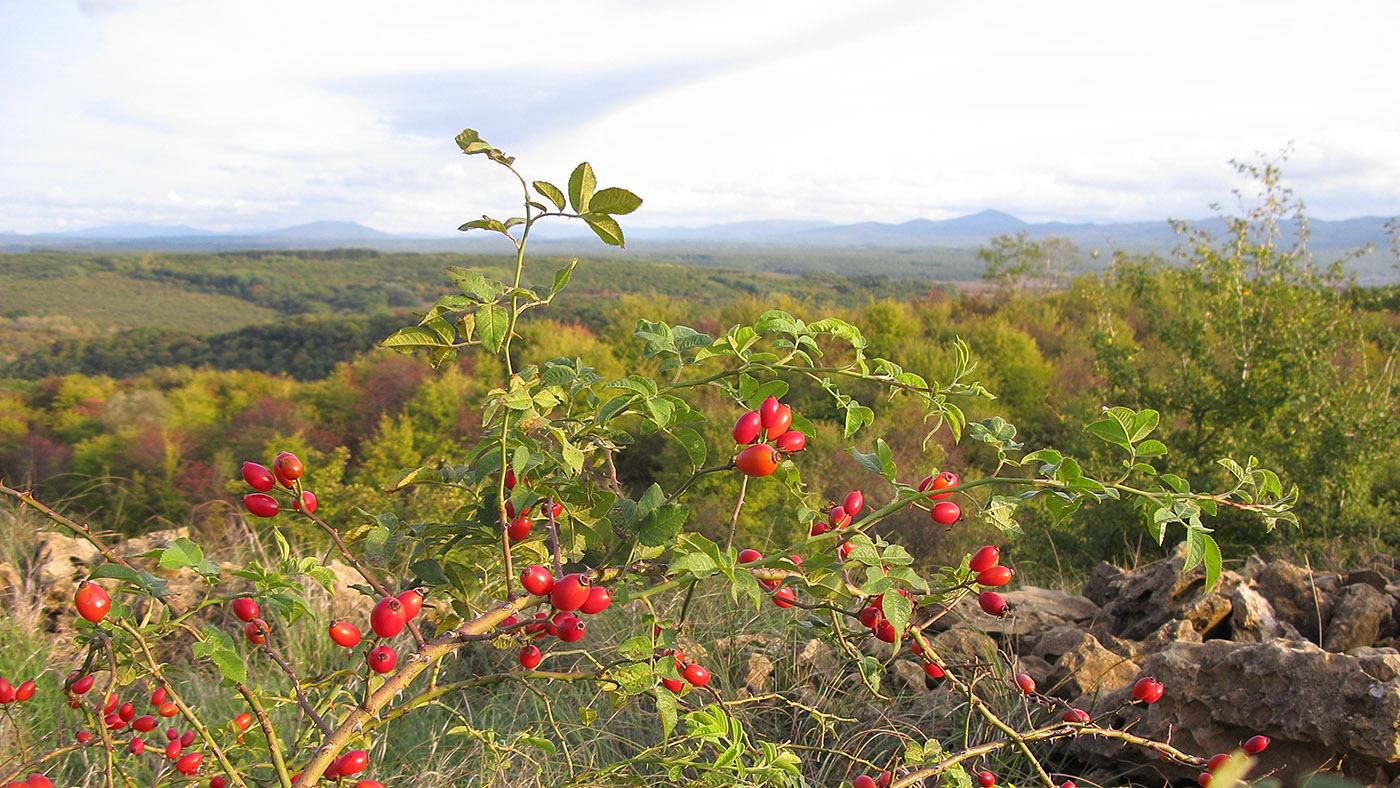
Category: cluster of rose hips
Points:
column 866, row 781
column 991, row 575
column 287, row 470
column 694, row 674
column 838, row 518
column 34, row 781
column 945, row 512
column 9, row 693
column 388, row 618
column 569, row 595
column 118, row 715
column 771, row 422
column 782, row 597
column 1254, row 746
column 519, row 525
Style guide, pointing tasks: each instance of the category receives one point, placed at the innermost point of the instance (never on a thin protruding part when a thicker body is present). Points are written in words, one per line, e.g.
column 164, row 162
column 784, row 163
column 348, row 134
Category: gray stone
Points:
column 1317, row 706
column 965, row 643
column 910, row 675
column 1368, row 575
column 1137, row 603
column 1358, row 619
column 1252, row 617
column 758, row 674
column 1295, row 599
column 1081, row 664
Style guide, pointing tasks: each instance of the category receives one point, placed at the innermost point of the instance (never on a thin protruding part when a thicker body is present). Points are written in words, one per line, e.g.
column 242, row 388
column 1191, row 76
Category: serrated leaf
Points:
column 857, row 416
column 231, row 665
column 1151, row 448
column 1175, row 482
column 1144, row 422
column 693, row 444
column 469, row 281
column 470, row 142
column 897, row 611
column 420, row 475
column 695, row 563
column 1211, row 555
column 661, row 526
column 666, row 709
column 634, row 677
column 1110, row 430
column 550, row 192
column 411, row 338
column 606, row 228
column 581, row 185
column 181, row 553
column 634, row 649
column 562, row 276
column 614, row 201
column 492, row 323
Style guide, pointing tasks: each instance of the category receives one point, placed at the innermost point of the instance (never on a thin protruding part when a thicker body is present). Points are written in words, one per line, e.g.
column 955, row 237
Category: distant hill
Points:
column 1329, row 238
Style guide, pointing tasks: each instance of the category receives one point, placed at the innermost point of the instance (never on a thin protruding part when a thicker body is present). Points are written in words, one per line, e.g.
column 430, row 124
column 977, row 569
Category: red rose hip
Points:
column 388, row 618
column 258, row 477
column 570, row 592
column 984, row 559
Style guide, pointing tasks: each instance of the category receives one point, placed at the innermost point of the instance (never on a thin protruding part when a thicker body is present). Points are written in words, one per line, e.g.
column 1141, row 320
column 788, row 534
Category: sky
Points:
column 235, row 116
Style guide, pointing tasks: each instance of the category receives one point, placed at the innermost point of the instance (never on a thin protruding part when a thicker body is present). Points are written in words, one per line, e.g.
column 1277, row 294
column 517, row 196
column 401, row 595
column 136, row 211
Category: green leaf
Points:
column 897, row 611
column 1144, row 422
column 666, row 708
column 1175, row 482
column 416, row 476
column 492, row 323
column 115, row 571
column 573, row 455
column 606, row 228
column 550, row 192
column 614, row 201
column 429, row 571
column 1111, row 431
column 857, row 416
column 470, row 142
column 1151, row 448
column 231, row 665
column 473, row 283
column 693, row 443
column 699, row 564
column 634, row 677
column 581, row 185
column 412, row 338
column 1195, row 548
column 562, row 276
column 634, row 649
column 661, row 526
column 181, row 553
column 1213, row 561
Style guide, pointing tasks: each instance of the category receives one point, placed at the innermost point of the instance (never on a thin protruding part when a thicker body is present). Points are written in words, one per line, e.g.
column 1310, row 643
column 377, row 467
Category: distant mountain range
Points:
column 963, row 232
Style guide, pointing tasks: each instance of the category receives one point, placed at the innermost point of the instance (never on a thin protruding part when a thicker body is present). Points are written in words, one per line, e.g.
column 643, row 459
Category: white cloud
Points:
column 266, row 113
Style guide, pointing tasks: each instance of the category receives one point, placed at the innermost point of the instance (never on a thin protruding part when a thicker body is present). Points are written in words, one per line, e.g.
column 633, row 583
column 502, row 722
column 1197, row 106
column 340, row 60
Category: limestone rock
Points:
column 1081, row 664
column 1295, row 599
column 964, row 643
column 1316, row 705
column 61, row 562
column 1252, row 617
column 1137, row 603
column 1358, row 619
column 758, row 673
column 1368, row 575
column 910, row 675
